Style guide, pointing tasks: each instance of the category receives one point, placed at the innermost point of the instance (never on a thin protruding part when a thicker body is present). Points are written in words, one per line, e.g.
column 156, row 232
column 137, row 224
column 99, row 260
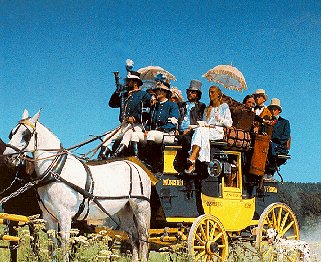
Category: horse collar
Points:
column 53, row 172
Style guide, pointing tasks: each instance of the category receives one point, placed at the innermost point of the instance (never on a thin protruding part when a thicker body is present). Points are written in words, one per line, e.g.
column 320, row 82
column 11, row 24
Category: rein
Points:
column 53, row 172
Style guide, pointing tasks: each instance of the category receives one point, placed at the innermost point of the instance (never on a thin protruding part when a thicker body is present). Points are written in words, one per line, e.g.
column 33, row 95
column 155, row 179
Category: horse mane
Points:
column 2, row 146
column 48, row 130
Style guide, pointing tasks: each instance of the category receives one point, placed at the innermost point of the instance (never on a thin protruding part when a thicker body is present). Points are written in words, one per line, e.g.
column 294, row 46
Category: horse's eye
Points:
column 10, row 135
column 26, row 135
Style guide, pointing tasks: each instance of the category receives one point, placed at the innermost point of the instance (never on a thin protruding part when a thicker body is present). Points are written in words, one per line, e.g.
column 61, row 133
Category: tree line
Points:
column 304, row 199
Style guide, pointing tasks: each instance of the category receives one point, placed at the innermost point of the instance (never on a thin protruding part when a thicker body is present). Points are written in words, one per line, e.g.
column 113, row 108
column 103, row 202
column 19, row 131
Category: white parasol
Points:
column 228, row 76
column 150, row 72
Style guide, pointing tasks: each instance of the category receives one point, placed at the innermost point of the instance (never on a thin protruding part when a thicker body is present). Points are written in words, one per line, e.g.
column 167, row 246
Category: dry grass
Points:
column 101, row 247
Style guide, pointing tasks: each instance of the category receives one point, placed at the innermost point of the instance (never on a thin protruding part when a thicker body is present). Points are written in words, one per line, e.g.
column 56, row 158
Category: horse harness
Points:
column 53, row 174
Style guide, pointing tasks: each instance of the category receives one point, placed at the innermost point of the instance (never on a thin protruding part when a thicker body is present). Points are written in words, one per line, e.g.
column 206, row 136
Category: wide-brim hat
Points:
column 177, row 93
column 275, row 102
column 162, row 85
column 261, row 92
column 195, row 85
column 133, row 75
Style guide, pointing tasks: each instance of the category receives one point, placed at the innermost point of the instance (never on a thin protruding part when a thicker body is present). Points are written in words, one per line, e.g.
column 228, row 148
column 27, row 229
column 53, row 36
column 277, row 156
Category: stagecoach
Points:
column 220, row 203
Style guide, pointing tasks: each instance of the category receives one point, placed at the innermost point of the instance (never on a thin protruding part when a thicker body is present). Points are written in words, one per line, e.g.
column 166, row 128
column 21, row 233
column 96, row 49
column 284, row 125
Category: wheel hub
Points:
column 211, row 247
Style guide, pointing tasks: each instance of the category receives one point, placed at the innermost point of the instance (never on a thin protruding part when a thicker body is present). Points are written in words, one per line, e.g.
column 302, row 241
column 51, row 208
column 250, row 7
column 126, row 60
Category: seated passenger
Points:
column 135, row 100
column 243, row 116
column 191, row 112
column 176, row 95
column 216, row 116
column 260, row 98
column 279, row 139
column 249, row 101
column 162, row 126
column 164, row 115
column 263, row 114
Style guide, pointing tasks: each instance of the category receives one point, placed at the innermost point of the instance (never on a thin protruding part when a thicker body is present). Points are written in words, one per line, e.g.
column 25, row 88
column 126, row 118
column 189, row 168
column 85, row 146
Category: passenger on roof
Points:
column 216, row 116
column 191, row 112
column 164, row 114
column 260, row 98
column 249, row 101
column 176, row 95
column 243, row 116
column 280, row 138
column 136, row 99
column 263, row 114
column 162, row 127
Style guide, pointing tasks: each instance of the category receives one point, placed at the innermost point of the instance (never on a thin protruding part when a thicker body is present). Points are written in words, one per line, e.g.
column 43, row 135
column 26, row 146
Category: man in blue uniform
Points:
column 163, row 124
column 135, row 100
column 280, row 138
column 164, row 115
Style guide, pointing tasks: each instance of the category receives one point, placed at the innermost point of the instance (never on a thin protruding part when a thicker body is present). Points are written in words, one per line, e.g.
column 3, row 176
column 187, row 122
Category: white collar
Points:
column 163, row 101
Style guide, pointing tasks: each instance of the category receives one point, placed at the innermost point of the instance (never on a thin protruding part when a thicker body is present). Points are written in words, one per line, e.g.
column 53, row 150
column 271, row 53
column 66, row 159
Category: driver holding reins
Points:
column 136, row 99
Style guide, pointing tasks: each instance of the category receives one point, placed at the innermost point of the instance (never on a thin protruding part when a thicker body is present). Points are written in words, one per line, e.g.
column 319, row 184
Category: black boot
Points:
column 135, row 148
column 104, row 153
column 119, row 151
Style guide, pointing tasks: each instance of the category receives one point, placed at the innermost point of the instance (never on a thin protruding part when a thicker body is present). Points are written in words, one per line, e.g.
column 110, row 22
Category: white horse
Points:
column 65, row 183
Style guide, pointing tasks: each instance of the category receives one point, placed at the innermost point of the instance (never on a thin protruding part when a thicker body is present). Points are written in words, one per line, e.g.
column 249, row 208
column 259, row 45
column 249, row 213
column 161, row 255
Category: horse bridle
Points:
column 27, row 135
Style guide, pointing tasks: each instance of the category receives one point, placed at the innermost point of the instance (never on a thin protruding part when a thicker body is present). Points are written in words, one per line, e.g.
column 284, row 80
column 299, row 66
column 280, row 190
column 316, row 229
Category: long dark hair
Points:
column 247, row 97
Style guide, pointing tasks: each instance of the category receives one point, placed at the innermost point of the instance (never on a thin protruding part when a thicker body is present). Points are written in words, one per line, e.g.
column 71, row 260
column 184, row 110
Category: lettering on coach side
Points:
column 271, row 189
column 173, row 182
column 213, row 204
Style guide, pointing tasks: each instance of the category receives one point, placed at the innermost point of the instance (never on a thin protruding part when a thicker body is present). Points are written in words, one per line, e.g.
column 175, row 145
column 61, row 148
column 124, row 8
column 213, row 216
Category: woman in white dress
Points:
column 216, row 116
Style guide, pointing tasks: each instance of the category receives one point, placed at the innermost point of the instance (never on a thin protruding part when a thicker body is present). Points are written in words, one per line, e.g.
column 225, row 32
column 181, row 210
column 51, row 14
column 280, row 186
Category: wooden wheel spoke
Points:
column 279, row 217
column 200, row 255
column 207, row 229
column 199, row 247
column 269, row 250
column 285, row 218
column 212, row 231
column 202, row 232
column 218, row 236
column 291, row 237
column 217, row 255
column 273, row 218
column 268, row 222
column 287, row 228
column 199, row 239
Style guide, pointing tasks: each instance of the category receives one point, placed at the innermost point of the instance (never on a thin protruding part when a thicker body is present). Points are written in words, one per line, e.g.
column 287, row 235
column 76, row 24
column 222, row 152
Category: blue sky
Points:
column 60, row 55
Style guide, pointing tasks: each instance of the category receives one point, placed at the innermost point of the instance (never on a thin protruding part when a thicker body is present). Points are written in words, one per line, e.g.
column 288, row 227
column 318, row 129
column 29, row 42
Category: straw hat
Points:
column 275, row 102
column 261, row 92
column 177, row 93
